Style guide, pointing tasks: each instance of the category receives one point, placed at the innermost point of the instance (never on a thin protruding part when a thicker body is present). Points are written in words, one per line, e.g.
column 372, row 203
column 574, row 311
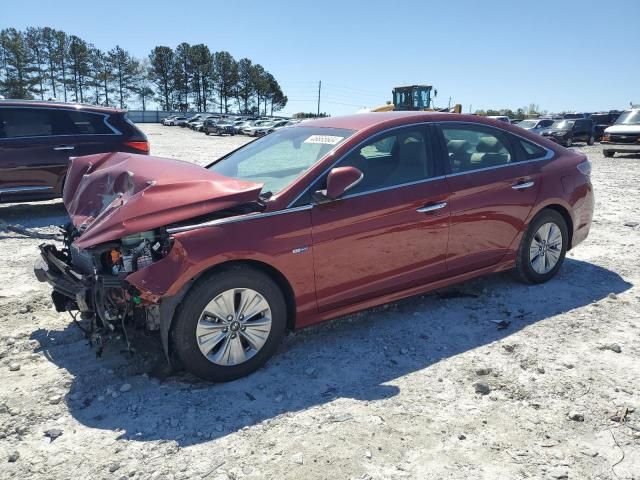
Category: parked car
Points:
column 271, row 127
column 176, row 121
column 282, row 124
column 566, row 132
column 238, row 125
column 256, row 128
column 218, row 127
column 603, row 120
column 37, row 139
column 574, row 115
column 624, row 135
column 536, row 125
column 166, row 120
column 502, row 118
column 319, row 220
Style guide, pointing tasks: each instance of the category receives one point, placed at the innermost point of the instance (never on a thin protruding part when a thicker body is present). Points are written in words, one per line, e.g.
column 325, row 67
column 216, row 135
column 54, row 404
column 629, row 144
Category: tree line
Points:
column 45, row 63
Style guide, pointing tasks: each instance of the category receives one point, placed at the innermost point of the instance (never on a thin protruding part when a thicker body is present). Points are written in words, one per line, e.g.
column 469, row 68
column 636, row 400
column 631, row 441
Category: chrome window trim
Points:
column 67, row 109
column 239, row 218
column 392, row 187
column 548, row 156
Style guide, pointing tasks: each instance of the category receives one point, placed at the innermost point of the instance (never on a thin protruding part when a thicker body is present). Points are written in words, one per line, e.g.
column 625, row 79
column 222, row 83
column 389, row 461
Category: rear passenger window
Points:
column 474, row 147
column 89, row 123
column 532, row 151
column 25, row 122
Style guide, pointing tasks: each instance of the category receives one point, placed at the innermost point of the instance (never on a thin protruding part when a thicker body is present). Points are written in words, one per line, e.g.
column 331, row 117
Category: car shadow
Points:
column 356, row 357
column 34, row 215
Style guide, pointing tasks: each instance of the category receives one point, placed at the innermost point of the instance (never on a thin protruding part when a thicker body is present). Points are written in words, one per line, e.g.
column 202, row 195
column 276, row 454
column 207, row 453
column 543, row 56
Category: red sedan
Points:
column 311, row 222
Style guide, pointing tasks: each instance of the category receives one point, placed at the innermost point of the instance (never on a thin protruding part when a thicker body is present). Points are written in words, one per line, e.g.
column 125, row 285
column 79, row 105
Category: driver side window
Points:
column 391, row 160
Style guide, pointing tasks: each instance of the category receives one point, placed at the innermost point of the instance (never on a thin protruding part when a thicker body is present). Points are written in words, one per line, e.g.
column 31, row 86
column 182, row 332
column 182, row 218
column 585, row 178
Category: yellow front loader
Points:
column 414, row 98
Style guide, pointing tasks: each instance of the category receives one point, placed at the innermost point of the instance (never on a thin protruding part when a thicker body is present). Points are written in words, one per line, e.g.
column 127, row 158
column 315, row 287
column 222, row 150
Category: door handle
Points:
column 432, row 208
column 522, row 186
column 64, row 147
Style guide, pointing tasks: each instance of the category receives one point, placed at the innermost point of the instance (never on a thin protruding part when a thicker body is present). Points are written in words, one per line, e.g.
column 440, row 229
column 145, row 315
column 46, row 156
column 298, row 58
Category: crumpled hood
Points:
column 111, row 195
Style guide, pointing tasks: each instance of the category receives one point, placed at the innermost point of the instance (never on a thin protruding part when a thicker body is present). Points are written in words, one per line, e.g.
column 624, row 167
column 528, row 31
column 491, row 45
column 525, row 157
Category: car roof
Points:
column 62, row 105
column 374, row 120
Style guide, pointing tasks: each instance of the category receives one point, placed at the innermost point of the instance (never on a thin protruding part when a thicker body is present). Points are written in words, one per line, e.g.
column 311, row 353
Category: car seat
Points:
column 459, row 155
column 489, row 152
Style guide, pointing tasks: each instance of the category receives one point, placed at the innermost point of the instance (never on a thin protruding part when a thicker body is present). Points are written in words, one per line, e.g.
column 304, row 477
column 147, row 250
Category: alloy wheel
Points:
column 545, row 248
column 234, row 326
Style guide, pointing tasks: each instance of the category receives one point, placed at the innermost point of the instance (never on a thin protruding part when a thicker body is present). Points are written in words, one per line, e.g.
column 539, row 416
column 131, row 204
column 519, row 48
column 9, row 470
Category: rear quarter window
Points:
column 85, row 123
column 531, row 150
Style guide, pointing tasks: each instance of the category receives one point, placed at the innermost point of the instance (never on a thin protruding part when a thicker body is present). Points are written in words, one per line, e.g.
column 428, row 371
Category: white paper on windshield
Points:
column 323, row 139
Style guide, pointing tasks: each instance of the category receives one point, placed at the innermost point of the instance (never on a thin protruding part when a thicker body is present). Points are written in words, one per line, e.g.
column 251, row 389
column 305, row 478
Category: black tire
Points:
column 207, row 132
column 184, row 340
column 591, row 140
column 524, row 270
column 568, row 142
column 608, row 153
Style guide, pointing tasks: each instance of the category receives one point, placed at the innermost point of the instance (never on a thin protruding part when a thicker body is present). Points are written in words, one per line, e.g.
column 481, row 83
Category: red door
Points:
column 390, row 232
column 493, row 190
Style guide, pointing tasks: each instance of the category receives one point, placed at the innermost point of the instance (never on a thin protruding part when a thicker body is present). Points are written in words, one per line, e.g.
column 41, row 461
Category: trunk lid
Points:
column 109, row 196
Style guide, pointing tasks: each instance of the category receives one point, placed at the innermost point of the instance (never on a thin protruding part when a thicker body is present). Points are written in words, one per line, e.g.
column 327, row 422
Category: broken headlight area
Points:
column 93, row 282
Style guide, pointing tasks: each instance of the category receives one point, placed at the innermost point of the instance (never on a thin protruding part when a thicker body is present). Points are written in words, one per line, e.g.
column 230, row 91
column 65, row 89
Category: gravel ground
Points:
column 428, row 388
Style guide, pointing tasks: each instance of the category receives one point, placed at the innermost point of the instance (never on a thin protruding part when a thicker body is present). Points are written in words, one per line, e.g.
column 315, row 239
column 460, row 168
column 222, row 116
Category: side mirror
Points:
column 339, row 181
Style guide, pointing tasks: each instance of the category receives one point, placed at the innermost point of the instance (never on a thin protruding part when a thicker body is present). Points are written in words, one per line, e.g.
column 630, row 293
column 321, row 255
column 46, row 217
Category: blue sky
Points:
column 561, row 55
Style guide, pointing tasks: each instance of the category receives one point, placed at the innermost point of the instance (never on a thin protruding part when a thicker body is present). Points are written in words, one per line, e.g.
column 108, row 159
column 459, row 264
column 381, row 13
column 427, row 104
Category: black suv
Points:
column 37, row 139
column 603, row 120
column 218, row 127
column 565, row 132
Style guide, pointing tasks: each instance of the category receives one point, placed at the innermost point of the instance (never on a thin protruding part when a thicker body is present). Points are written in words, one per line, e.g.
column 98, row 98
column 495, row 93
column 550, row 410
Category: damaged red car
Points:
column 311, row 222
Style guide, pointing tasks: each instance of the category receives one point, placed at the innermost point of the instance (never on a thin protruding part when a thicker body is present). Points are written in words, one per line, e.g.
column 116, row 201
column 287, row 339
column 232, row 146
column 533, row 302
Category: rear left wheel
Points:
column 543, row 247
column 230, row 324
column 591, row 140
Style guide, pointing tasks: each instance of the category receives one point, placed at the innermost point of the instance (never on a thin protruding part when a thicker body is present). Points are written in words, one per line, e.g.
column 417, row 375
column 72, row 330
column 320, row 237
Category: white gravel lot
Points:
column 386, row 394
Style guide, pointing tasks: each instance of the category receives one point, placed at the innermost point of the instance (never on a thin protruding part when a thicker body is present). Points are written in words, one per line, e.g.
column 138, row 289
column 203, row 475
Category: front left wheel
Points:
column 230, row 324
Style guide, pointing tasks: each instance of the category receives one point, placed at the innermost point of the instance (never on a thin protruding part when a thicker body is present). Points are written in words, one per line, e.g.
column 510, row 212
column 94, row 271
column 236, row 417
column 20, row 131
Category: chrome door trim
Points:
column 26, row 189
column 239, row 218
column 432, row 208
column 64, row 147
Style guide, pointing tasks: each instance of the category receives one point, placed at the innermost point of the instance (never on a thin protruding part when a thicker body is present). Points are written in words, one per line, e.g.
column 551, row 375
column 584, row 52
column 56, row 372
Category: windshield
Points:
column 563, row 124
column 632, row 117
column 279, row 158
column 527, row 124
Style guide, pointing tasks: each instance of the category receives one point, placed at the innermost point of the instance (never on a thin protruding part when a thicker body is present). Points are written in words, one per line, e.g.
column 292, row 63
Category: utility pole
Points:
column 449, row 107
column 319, row 89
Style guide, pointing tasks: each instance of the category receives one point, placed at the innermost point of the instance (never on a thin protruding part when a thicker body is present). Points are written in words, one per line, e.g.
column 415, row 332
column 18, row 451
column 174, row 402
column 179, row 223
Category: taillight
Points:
column 606, row 137
column 140, row 146
column 585, row 167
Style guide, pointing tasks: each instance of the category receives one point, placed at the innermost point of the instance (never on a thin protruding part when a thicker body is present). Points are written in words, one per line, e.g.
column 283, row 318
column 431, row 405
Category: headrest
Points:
column 488, row 145
column 457, row 146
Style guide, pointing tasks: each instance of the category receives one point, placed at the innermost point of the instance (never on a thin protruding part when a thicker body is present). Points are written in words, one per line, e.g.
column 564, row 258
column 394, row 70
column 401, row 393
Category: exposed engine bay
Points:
column 93, row 283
